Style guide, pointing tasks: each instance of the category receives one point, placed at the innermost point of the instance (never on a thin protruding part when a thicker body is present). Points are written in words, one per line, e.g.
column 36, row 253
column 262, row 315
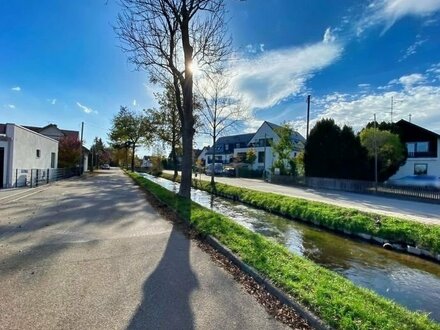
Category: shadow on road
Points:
column 167, row 292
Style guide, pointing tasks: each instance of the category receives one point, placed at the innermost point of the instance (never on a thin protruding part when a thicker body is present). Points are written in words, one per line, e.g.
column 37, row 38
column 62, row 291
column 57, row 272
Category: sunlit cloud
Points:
column 413, row 96
column 273, row 76
column 85, row 109
column 16, row 89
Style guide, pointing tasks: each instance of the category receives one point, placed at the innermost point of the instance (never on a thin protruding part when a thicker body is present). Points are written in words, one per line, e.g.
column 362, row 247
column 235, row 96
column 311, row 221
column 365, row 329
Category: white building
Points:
column 423, row 147
column 235, row 147
column 21, row 150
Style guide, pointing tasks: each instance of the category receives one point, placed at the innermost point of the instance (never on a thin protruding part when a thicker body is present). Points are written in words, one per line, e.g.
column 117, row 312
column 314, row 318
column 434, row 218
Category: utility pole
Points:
column 308, row 116
column 409, row 117
column 81, row 161
column 391, row 108
column 265, row 154
column 375, row 154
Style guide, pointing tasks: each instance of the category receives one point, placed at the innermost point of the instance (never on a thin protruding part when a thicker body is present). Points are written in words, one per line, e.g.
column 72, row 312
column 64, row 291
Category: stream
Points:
column 408, row 280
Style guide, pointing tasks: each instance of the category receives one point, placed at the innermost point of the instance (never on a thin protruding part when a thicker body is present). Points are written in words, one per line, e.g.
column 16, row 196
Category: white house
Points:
column 235, row 147
column 423, row 147
column 21, row 150
column 261, row 142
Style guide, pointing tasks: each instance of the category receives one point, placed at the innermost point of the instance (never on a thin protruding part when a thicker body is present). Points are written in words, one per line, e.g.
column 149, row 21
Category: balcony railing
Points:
column 418, row 154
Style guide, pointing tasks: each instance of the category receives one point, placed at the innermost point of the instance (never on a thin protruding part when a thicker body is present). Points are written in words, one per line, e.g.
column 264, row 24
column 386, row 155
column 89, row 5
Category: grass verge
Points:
column 336, row 300
column 395, row 230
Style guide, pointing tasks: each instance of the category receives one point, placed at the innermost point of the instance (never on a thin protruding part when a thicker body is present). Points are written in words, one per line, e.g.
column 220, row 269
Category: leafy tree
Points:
column 251, row 156
column 129, row 129
column 166, row 123
column 100, row 154
column 283, row 150
column 69, row 152
column 167, row 37
column 333, row 152
column 391, row 152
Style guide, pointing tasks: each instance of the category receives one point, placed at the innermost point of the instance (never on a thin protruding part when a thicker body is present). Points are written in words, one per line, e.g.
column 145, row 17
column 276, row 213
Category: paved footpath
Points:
column 422, row 212
column 93, row 254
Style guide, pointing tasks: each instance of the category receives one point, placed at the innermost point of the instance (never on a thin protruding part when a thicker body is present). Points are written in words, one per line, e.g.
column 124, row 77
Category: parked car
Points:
column 105, row 167
column 420, row 181
column 218, row 169
column 229, row 171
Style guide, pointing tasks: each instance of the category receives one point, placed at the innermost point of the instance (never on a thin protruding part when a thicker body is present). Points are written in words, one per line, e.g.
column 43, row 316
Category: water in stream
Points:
column 408, row 280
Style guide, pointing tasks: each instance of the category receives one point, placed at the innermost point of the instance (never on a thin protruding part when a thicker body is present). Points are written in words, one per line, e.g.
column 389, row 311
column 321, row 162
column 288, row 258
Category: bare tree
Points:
column 165, row 37
column 222, row 109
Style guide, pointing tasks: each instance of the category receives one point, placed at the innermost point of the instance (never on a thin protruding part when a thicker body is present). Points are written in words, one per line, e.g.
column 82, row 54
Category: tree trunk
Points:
column 132, row 156
column 188, row 122
column 213, row 159
column 174, row 157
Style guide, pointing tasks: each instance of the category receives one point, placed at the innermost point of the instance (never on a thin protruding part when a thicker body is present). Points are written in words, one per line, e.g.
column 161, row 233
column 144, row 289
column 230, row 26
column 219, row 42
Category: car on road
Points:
column 217, row 168
column 105, row 167
column 419, row 181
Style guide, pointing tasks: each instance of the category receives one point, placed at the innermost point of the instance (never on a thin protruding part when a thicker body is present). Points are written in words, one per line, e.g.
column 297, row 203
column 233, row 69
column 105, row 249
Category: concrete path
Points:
column 422, row 212
column 92, row 254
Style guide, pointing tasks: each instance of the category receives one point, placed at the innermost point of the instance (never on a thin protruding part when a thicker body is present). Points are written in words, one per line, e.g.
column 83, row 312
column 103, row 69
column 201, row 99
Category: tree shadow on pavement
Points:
column 167, row 291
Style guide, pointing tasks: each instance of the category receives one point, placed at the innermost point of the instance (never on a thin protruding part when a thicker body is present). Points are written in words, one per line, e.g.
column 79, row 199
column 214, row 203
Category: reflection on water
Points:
column 410, row 281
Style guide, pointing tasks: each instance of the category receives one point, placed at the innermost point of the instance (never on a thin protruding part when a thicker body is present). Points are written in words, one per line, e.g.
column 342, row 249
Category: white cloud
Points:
column 413, row 95
column 16, row 89
column 85, row 109
column 409, row 80
column 412, row 49
column 134, row 103
column 275, row 75
column 363, row 85
column 52, row 101
column 328, row 36
column 388, row 12
column 11, row 106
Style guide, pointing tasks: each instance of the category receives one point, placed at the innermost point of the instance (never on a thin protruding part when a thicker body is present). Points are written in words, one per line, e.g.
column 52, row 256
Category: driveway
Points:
column 93, row 254
column 418, row 211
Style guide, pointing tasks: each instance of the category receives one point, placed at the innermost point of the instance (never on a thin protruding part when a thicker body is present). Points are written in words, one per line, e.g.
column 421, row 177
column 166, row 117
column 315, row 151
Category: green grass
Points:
column 336, row 300
column 334, row 217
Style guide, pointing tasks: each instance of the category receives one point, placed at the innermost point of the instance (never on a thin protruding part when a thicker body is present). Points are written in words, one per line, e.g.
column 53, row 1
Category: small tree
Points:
column 69, row 152
column 221, row 111
column 129, row 129
column 166, row 122
column 251, row 156
column 283, row 149
column 390, row 150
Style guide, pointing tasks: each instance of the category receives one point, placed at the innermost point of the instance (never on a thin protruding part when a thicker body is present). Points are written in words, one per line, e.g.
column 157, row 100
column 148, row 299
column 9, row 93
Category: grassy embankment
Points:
column 401, row 231
column 336, row 300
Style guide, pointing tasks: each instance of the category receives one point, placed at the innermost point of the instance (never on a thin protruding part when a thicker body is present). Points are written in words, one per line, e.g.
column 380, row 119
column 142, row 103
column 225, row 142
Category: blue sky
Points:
column 60, row 62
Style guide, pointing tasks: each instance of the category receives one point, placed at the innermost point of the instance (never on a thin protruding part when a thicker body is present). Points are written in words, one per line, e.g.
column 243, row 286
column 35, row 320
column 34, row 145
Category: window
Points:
column 417, row 149
column 261, row 156
column 52, row 160
column 226, row 147
column 38, row 153
column 420, row 169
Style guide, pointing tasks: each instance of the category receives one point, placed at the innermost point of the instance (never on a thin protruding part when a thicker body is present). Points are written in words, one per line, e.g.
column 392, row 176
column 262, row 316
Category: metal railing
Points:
column 36, row 177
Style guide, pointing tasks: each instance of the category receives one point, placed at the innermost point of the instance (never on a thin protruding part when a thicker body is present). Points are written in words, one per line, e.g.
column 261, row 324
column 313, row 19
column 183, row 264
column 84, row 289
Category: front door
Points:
column 2, row 165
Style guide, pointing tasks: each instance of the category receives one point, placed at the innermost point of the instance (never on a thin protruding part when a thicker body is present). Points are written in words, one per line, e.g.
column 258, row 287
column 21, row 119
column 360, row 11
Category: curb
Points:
column 305, row 313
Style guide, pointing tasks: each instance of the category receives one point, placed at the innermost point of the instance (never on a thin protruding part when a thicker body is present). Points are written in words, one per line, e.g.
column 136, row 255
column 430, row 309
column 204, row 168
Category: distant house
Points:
column 423, row 147
column 235, row 147
column 146, row 162
column 22, row 149
column 224, row 148
column 56, row 133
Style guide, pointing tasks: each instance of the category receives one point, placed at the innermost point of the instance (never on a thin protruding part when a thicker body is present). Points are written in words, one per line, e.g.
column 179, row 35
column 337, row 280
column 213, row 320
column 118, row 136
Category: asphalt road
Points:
column 412, row 210
column 92, row 254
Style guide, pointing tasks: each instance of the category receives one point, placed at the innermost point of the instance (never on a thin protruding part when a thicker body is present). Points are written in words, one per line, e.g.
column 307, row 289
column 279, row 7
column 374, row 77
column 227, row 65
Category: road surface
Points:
column 93, row 254
column 419, row 211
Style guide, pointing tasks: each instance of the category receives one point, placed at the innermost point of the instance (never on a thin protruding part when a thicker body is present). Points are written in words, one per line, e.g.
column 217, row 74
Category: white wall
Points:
column 23, row 151
column 408, row 167
column 5, row 145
